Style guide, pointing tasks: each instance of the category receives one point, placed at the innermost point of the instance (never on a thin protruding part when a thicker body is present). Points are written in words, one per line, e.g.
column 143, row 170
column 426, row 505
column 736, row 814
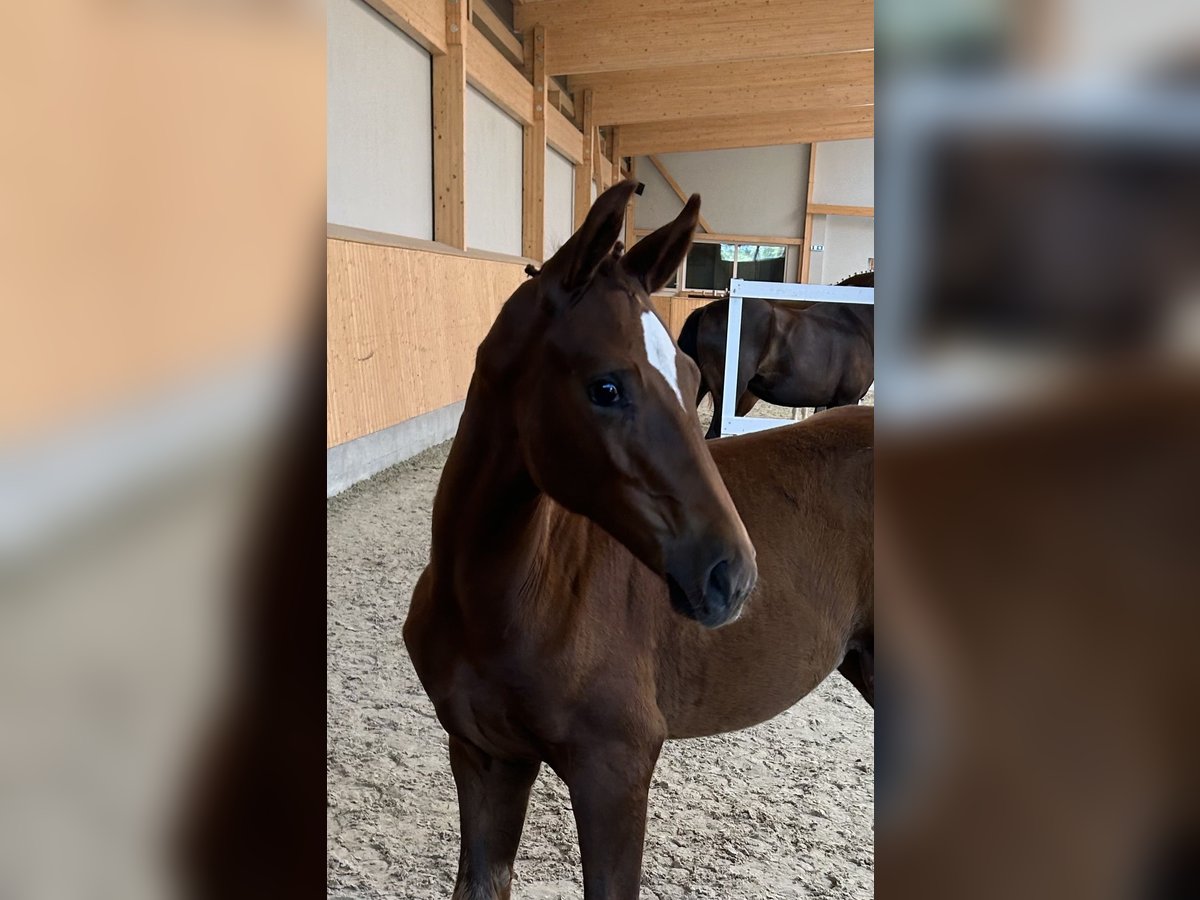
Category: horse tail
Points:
column 689, row 335
column 689, row 343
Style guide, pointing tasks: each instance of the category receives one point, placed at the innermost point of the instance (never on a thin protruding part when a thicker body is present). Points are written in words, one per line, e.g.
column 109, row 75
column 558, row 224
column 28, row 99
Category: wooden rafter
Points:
column 679, row 192
column 758, row 130
column 710, row 238
column 616, row 35
column 485, row 17
column 422, row 20
column 731, row 89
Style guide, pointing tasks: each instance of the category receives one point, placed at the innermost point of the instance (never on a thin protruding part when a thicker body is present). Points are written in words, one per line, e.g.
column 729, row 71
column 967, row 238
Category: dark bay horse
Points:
column 601, row 579
column 792, row 354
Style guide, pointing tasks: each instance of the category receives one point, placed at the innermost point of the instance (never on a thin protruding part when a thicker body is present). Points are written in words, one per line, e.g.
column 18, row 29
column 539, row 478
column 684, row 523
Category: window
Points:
column 760, row 262
column 709, row 267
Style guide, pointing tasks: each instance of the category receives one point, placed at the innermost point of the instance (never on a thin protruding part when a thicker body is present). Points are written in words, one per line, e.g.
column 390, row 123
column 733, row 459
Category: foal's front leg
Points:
column 610, row 787
column 492, row 798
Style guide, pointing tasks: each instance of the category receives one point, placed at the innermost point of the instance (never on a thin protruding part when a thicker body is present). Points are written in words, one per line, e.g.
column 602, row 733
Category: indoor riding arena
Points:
column 467, row 141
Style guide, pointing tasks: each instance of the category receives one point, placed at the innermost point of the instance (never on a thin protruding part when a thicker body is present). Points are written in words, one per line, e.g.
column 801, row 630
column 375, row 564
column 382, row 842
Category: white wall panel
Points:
column 845, row 173
column 849, row 246
column 560, row 201
column 380, row 124
column 753, row 190
column 494, row 173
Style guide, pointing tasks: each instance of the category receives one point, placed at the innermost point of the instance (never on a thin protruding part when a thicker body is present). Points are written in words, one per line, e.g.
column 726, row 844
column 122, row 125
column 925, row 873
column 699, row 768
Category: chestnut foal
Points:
column 588, row 545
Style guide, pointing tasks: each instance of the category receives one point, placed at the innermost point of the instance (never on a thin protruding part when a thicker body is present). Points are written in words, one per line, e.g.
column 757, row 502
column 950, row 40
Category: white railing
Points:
column 739, row 289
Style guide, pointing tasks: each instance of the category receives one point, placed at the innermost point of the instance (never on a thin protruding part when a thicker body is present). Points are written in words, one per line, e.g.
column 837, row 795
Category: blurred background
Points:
column 162, row 184
column 161, row 515
column 1038, row 397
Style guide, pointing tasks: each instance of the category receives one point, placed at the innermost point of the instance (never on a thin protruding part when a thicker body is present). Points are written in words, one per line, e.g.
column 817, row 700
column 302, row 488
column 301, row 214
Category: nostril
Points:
column 720, row 582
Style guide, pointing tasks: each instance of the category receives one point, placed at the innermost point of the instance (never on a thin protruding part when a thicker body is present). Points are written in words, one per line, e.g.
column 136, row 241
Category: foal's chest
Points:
column 503, row 713
column 500, row 703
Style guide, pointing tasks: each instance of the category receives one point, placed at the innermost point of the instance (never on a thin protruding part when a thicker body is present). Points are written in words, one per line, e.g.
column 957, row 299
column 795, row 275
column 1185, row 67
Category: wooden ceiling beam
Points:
column 492, row 75
column 422, row 20
column 756, row 130
column 764, row 86
column 485, row 17
column 615, row 35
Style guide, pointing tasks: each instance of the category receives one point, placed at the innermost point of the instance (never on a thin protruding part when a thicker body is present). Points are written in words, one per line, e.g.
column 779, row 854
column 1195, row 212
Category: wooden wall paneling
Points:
column 674, row 309
column 403, row 329
column 662, row 306
column 683, row 306
column 449, row 128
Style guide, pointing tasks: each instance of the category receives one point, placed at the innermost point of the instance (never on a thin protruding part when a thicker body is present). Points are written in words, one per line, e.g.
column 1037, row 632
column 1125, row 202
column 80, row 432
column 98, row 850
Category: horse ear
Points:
column 576, row 261
column 654, row 259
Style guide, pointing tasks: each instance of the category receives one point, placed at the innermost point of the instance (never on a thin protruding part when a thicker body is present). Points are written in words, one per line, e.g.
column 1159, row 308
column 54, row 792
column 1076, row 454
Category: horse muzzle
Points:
column 711, row 592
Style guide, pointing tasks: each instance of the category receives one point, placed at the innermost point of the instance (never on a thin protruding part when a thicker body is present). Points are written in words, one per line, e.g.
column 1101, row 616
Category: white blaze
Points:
column 660, row 350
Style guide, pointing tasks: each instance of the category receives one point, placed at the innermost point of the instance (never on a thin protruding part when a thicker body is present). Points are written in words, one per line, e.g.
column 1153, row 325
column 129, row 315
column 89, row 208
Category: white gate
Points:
column 739, row 289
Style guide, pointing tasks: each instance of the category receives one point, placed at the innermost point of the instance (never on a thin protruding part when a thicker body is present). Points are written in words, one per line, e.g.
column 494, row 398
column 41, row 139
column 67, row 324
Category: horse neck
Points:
column 488, row 515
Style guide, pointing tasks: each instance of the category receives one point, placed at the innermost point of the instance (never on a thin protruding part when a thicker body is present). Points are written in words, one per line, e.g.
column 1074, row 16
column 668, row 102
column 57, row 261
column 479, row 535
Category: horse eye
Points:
column 604, row 392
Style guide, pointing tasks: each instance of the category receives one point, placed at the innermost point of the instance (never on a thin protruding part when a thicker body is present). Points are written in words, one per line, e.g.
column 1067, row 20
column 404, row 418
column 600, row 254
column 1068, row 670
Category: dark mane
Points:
column 859, row 279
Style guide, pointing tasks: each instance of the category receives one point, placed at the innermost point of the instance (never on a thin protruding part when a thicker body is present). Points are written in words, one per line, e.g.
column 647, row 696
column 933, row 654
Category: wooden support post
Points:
column 598, row 160
column 449, row 131
column 614, row 152
column 806, row 247
column 583, row 171
column 631, row 209
column 533, row 196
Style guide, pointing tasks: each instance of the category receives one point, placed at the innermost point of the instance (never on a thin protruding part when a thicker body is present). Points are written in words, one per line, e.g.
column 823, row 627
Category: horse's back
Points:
column 804, row 494
column 810, row 485
column 808, row 448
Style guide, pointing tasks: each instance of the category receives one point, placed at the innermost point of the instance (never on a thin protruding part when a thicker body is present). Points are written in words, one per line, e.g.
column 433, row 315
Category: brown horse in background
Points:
column 792, row 354
column 601, row 579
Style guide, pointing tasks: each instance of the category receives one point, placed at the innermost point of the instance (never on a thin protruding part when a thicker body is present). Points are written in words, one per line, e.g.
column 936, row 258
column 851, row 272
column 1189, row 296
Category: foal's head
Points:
column 602, row 417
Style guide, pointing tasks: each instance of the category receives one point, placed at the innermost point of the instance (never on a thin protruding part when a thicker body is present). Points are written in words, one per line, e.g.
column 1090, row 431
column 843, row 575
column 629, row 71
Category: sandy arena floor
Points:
column 782, row 810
